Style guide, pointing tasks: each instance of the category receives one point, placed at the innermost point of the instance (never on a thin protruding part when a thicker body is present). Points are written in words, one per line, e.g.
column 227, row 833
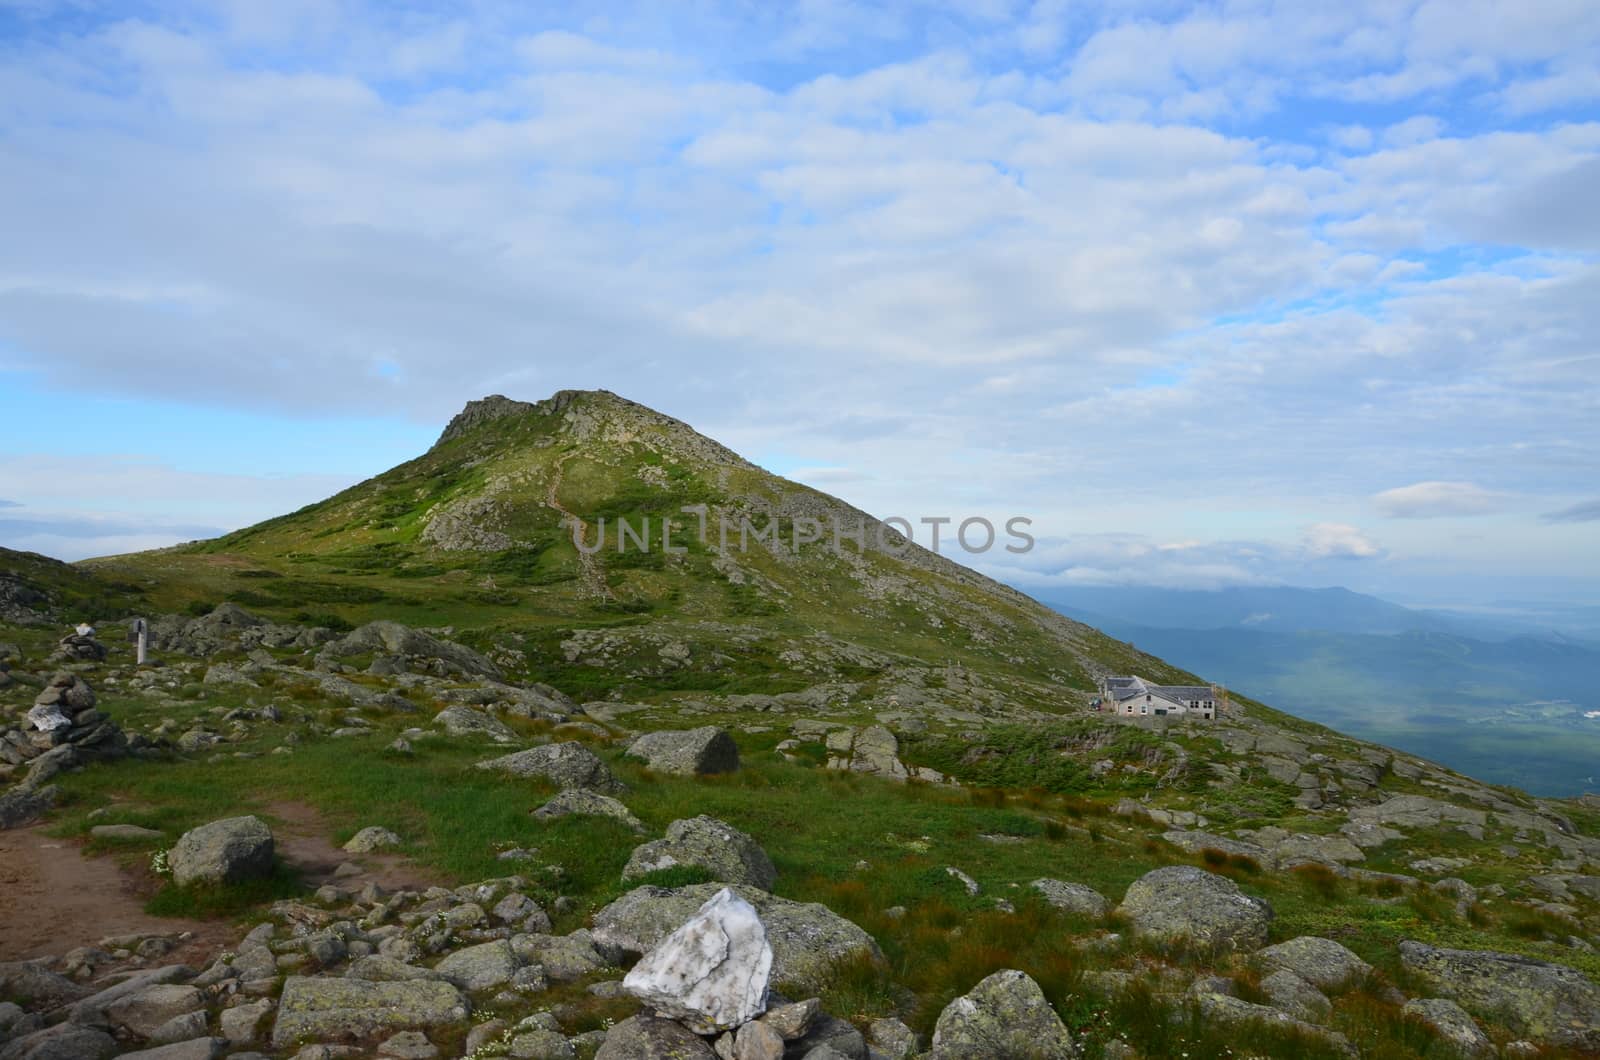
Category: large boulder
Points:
column 1536, row 999
column 649, row 1038
column 147, row 1011
column 712, row 972
column 567, row 765
column 480, row 967
column 1417, row 811
column 21, row 806
column 1184, row 902
column 392, row 638
column 315, row 1009
column 36, row 982
column 1005, row 1017
column 464, row 721
column 872, row 749
column 1452, row 1023
column 688, row 752
column 578, row 802
column 1321, row 962
column 1073, row 898
column 64, row 1041
column 728, row 854
column 1223, row 1010
column 226, row 851
column 807, row 939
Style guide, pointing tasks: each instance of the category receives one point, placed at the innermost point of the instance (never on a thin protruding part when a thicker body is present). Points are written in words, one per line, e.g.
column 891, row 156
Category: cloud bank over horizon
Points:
column 1280, row 290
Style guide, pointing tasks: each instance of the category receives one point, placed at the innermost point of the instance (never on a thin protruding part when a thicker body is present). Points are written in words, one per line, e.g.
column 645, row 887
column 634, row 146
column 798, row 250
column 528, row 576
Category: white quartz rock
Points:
column 49, row 718
column 712, row 972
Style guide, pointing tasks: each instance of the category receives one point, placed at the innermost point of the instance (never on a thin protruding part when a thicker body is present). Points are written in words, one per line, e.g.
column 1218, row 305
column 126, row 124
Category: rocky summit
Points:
column 581, row 736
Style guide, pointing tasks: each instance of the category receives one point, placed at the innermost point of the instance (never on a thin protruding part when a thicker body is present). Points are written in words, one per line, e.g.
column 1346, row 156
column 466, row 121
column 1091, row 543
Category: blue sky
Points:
column 1226, row 293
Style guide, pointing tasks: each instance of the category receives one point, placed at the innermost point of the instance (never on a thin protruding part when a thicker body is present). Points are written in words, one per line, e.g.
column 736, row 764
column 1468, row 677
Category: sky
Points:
column 1237, row 293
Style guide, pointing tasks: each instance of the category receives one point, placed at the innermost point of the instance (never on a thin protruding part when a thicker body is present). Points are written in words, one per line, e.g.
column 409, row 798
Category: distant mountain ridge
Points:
column 1280, row 609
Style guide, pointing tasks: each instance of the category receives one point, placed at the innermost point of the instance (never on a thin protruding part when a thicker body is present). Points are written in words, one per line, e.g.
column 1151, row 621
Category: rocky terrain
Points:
column 446, row 789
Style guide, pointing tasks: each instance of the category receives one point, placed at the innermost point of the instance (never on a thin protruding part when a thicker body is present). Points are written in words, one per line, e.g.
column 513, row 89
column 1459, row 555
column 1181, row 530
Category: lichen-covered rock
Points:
column 396, row 639
column 480, row 967
column 464, row 721
column 143, row 1013
column 1321, row 962
column 21, row 806
column 1286, row 991
column 1452, row 1023
column 807, row 939
column 830, row 1038
column 563, row 957
column 348, row 1009
column 370, row 839
column 64, row 1041
column 577, row 801
column 567, row 765
column 711, row 973
column 649, row 1038
column 1536, row 999
column 1005, row 1017
column 728, row 854
column 873, row 749
column 688, row 752
column 1223, row 1009
column 1072, row 898
column 226, row 851
column 1184, row 902
column 44, row 988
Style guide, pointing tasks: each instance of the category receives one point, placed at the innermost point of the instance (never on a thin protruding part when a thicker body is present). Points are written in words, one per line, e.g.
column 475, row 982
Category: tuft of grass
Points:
column 214, row 901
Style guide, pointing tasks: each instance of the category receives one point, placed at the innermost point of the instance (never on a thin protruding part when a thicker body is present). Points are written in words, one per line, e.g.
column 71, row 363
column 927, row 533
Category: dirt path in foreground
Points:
column 54, row 899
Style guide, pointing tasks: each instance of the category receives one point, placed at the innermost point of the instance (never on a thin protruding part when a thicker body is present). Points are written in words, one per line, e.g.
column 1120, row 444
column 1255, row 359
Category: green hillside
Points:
column 471, row 535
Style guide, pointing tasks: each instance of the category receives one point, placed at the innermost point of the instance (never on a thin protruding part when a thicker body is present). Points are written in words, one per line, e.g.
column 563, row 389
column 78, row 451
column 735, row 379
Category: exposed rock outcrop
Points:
column 1184, row 902
column 688, row 752
column 568, row 765
column 1005, row 1017
column 226, row 851
column 728, row 854
column 1548, row 1002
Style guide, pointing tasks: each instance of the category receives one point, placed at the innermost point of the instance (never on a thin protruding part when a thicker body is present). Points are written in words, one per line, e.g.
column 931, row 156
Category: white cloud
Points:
column 1339, row 541
column 1425, row 500
column 1088, row 252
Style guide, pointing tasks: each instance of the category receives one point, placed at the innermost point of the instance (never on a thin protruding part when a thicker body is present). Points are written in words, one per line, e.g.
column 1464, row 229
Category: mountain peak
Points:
column 498, row 407
column 588, row 415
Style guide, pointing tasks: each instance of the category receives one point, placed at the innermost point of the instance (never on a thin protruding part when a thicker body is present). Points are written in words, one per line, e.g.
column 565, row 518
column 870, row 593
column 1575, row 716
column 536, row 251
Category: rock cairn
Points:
column 61, row 730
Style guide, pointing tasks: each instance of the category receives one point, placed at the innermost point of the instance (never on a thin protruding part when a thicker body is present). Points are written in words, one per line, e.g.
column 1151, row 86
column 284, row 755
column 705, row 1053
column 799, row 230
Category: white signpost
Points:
column 140, row 635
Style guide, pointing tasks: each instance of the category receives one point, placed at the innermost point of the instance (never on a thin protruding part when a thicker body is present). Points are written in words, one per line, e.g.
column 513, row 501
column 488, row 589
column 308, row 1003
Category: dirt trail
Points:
column 302, row 839
column 53, row 899
column 591, row 570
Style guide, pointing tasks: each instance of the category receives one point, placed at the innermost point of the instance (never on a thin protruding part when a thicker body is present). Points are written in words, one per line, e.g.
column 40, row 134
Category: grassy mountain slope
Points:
column 471, row 535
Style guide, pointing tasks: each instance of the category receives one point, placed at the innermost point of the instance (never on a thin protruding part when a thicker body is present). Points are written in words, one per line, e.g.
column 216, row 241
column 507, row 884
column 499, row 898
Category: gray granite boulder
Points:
column 350, row 1009
column 1547, row 1002
column 579, row 802
column 1074, row 898
column 1321, row 962
column 1184, row 902
column 648, row 1038
column 1005, row 1017
column 728, row 854
column 1452, row 1023
column 688, row 752
column 226, row 851
column 567, row 765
